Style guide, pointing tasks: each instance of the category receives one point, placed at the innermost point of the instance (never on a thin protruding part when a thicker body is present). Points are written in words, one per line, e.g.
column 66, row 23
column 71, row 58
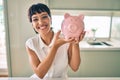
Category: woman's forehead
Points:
column 40, row 14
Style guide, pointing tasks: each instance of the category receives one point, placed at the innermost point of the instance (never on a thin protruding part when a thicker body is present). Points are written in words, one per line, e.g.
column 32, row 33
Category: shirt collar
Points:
column 41, row 43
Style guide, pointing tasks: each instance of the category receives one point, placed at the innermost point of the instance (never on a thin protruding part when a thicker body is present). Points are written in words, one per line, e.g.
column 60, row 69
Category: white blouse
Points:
column 59, row 66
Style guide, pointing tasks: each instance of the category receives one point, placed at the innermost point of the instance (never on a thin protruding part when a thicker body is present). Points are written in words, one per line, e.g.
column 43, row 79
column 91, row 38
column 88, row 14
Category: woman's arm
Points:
column 41, row 68
column 74, row 54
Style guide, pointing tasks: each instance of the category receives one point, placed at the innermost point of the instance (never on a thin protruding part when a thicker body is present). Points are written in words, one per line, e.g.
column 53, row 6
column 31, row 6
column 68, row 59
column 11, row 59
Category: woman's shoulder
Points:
column 32, row 40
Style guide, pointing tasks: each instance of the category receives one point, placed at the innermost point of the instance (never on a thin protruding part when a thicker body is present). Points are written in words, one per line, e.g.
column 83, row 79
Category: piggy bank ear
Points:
column 66, row 15
column 81, row 17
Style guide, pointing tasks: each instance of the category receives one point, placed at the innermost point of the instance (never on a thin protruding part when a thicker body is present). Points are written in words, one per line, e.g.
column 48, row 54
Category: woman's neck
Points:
column 47, row 38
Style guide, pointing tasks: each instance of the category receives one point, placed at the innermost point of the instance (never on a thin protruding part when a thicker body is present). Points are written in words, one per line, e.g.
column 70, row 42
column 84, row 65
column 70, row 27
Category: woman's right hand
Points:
column 58, row 41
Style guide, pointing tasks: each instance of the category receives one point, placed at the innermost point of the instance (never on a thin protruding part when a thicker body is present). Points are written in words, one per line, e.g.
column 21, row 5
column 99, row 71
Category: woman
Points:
column 49, row 53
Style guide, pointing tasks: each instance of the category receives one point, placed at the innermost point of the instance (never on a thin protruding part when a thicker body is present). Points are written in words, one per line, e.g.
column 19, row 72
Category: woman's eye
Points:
column 45, row 17
column 35, row 20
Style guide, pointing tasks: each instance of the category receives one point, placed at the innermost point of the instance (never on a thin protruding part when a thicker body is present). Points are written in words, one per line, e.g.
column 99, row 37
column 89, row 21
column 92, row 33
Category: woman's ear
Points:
column 34, row 29
column 51, row 20
column 81, row 16
column 66, row 15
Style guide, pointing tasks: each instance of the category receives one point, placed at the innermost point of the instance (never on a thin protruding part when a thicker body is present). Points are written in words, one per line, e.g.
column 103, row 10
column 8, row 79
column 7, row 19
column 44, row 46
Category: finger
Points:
column 69, row 40
column 82, row 35
column 83, row 32
column 58, row 33
column 76, row 42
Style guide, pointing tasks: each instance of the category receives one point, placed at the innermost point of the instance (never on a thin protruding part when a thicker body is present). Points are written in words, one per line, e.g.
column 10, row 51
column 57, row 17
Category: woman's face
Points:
column 41, row 22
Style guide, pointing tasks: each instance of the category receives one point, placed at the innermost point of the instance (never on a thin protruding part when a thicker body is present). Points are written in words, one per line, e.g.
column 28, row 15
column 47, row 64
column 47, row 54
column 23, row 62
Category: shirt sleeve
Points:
column 29, row 43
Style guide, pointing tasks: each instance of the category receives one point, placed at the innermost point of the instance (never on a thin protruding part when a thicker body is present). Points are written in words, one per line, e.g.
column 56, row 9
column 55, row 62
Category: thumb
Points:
column 58, row 33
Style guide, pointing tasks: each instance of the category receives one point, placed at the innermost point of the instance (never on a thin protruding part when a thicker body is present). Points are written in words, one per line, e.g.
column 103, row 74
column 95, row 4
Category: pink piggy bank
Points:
column 72, row 26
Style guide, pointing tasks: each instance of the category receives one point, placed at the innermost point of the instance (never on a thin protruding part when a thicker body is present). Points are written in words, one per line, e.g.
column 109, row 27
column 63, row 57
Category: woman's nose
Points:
column 40, row 21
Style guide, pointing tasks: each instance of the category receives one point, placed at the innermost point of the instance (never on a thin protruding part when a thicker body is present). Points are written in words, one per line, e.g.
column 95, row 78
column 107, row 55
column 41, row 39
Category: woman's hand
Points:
column 58, row 41
column 76, row 41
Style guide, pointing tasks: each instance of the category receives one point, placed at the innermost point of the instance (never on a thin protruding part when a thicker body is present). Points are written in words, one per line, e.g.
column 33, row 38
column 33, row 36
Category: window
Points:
column 3, row 60
column 116, row 27
column 99, row 22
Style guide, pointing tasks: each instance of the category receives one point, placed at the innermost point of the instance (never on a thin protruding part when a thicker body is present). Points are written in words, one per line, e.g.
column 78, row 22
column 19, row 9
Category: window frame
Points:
column 4, row 71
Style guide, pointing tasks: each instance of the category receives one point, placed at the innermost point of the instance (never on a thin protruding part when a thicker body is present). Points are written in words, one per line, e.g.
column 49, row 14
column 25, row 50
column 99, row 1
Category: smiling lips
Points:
column 42, row 27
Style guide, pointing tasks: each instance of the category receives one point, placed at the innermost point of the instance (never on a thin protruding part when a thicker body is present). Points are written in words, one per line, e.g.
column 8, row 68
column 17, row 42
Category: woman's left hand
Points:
column 76, row 41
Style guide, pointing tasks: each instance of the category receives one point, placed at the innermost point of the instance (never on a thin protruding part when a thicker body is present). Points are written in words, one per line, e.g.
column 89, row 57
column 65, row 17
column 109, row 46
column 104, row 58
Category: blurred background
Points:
column 100, row 49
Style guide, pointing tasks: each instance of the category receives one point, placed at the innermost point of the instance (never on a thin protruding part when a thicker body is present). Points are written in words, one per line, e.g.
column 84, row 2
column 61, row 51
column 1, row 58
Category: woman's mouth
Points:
column 42, row 27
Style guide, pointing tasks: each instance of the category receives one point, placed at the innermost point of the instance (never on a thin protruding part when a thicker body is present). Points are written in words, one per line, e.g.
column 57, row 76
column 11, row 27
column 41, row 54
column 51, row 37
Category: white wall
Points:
column 19, row 31
column 85, row 4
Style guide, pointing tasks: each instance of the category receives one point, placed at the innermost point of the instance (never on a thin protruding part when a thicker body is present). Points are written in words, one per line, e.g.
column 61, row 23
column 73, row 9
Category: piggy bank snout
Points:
column 72, row 28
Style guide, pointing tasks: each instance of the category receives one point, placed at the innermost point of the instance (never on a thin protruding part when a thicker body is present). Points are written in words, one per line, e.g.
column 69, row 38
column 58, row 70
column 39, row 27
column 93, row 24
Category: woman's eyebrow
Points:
column 34, row 16
column 43, row 14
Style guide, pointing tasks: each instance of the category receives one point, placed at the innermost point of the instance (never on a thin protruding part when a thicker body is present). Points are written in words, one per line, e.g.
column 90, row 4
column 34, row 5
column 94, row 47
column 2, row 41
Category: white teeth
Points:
column 42, row 27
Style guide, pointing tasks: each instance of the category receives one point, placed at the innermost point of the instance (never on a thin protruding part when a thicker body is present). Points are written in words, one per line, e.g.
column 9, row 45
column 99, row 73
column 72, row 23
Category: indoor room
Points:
column 99, row 50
